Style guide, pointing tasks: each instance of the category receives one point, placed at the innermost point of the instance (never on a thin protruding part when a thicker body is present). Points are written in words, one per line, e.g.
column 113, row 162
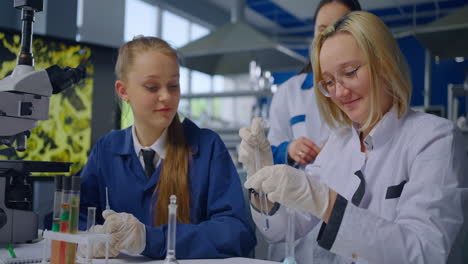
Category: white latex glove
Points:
column 292, row 188
column 127, row 232
column 254, row 137
column 98, row 249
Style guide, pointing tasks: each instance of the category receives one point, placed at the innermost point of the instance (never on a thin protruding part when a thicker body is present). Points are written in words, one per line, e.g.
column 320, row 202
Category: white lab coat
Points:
column 420, row 221
column 294, row 113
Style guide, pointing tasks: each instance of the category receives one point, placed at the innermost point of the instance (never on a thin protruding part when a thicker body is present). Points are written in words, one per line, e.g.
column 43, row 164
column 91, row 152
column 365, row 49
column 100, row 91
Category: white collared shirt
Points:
column 159, row 147
column 415, row 193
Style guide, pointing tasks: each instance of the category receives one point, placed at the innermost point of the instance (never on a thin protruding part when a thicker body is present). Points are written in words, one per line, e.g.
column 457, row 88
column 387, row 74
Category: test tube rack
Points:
column 81, row 238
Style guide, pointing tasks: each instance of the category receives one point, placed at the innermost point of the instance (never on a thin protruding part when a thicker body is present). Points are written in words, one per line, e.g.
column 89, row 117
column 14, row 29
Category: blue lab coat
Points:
column 219, row 225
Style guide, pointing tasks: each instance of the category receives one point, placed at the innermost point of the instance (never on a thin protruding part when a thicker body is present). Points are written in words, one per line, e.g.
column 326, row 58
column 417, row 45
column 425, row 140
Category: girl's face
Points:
column 347, row 77
column 152, row 89
column 343, row 67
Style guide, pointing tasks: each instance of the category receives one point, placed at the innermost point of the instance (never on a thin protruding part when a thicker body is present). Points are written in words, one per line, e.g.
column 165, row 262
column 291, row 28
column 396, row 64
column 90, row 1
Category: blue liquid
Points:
column 289, row 260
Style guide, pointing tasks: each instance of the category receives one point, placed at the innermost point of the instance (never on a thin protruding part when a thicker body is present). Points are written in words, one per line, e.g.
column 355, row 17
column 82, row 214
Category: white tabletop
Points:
column 124, row 259
column 36, row 251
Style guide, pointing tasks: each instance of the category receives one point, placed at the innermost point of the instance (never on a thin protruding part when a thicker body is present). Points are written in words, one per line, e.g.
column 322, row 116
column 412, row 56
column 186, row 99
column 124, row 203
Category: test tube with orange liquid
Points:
column 73, row 218
column 54, row 255
column 64, row 217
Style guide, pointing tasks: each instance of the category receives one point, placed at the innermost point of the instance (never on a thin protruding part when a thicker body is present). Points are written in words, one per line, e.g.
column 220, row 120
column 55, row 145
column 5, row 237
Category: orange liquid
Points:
column 73, row 229
column 54, row 255
column 64, row 229
column 71, row 253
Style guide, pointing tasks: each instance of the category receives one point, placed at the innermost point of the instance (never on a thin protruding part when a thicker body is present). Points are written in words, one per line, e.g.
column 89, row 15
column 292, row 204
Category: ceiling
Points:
column 290, row 22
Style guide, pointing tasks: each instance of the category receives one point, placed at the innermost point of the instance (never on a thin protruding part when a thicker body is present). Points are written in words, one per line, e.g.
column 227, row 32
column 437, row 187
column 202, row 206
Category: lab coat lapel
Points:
column 127, row 153
column 350, row 157
column 136, row 169
column 350, row 187
column 358, row 160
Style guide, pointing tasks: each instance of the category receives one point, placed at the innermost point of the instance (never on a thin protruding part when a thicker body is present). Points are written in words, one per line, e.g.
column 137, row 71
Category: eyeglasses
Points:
column 345, row 76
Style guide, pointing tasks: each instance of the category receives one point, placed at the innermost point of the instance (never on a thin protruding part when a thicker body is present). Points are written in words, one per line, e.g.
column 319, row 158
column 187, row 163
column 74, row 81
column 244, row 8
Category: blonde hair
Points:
column 387, row 67
column 173, row 178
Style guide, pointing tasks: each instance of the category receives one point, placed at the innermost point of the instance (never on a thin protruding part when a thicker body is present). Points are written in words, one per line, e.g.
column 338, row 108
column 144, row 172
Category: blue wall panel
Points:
column 414, row 53
column 444, row 72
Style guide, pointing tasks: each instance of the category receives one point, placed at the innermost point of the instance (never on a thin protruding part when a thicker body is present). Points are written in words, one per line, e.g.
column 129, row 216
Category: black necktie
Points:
column 148, row 157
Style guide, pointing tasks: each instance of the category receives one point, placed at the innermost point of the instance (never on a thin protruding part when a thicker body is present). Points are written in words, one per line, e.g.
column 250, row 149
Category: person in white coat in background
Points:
column 390, row 185
column 297, row 131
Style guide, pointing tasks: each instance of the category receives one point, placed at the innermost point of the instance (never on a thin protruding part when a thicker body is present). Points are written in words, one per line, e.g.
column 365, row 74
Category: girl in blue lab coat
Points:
column 190, row 162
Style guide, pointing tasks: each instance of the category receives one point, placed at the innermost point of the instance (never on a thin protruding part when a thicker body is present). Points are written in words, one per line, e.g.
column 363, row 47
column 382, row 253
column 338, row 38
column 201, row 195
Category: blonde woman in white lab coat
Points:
column 390, row 185
column 297, row 131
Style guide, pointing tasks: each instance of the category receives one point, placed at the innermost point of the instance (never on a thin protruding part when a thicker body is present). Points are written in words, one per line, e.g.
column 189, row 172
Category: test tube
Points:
column 65, row 216
column 171, row 231
column 57, row 203
column 107, row 199
column 54, row 254
column 107, row 208
column 290, row 259
column 263, row 196
column 91, row 220
column 73, row 217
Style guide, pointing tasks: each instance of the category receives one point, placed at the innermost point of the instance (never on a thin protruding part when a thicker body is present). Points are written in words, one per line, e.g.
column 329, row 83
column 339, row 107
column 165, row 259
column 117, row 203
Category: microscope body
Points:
column 24, row 99
column 20, row 109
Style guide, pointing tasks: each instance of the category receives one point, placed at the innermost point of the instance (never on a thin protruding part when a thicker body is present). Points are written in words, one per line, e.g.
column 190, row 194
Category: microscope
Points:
column 24, row 99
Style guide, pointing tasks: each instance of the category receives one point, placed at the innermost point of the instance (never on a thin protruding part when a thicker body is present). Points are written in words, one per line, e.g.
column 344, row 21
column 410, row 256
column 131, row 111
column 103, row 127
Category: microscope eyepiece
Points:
column 61, row 79
column 36, row 5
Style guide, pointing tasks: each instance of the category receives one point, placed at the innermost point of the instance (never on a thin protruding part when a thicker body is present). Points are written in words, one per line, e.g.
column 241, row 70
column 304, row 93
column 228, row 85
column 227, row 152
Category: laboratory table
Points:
column 36, row 251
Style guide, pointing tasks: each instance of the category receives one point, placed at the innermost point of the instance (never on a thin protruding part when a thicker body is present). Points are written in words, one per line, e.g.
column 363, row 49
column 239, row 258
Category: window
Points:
column 218, row 83
column 200, row 108
column 141, row 18
column 175, row 29
column 126, row 115
column 183, row 80
column 216, row 105
column 198, row 31
column 201, row 82
column 79, row 19
column 184, row 105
